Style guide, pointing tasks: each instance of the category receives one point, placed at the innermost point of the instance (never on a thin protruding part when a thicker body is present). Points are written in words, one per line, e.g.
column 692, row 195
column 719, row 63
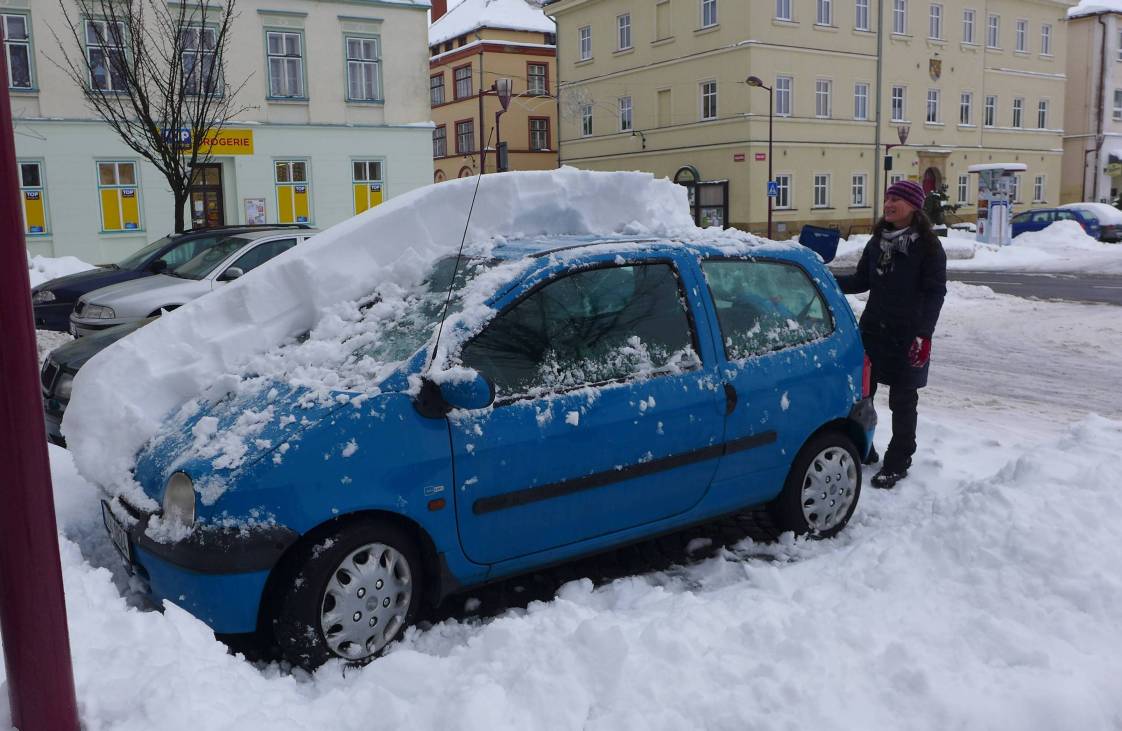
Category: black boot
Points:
column 887, row 478
column 873, row 457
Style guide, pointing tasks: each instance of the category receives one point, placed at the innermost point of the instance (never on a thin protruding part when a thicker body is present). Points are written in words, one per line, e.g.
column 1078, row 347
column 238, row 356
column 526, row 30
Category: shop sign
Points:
column 227, row 141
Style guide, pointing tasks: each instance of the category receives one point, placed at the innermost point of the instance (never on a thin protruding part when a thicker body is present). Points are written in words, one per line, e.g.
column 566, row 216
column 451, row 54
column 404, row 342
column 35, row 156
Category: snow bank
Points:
column 44, row 268
column 957, row 244
column 122, row 395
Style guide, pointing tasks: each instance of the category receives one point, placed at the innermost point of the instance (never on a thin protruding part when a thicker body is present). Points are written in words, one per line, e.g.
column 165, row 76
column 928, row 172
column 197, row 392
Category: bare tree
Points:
column 155, row 72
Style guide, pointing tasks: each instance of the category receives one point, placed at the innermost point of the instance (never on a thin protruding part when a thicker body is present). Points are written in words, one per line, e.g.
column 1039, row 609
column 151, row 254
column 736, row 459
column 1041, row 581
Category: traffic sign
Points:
column 772, row 189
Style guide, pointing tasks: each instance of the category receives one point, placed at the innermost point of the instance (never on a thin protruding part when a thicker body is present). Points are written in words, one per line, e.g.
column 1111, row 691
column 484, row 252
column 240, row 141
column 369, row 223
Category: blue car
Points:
column 53, row 301
column 1041, row 218
column 605, row 391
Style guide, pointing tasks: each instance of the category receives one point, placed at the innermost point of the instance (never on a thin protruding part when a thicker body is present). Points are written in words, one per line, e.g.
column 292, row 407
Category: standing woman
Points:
column 904, row 270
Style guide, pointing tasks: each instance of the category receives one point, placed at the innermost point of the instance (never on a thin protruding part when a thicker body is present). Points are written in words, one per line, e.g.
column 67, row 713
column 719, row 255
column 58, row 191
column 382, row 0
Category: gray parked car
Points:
column 224, row 262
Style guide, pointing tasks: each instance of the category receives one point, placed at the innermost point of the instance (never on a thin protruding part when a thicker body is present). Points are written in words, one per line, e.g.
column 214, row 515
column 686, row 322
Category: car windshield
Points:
column 140, row 259
column 206, row 262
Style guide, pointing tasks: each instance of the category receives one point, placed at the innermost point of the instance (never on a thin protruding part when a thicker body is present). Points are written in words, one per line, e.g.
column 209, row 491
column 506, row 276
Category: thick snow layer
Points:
column 471, row 15
column 127, row 390
column 44, row 268
column 1088, row 7
column 982, row 593
column 1105, row 213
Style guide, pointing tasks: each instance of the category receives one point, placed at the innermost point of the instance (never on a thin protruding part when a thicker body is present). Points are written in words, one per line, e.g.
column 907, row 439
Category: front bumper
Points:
column 80, row 328
column 53, row 316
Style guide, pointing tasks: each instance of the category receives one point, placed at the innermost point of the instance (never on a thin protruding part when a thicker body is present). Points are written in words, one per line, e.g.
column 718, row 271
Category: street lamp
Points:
column 502, row 88
column 758, row 82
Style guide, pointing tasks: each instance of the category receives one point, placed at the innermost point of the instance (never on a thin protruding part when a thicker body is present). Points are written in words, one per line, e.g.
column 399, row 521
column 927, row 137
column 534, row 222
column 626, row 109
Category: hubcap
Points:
column 366, row 601
column 829, row 488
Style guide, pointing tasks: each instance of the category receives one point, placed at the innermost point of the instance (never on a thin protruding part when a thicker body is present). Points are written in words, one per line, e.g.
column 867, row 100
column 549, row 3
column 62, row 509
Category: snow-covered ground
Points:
column 44, row 268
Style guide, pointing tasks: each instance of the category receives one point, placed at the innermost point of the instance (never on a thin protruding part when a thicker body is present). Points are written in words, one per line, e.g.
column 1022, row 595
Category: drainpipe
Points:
column 878, row 162
column 1100, row 110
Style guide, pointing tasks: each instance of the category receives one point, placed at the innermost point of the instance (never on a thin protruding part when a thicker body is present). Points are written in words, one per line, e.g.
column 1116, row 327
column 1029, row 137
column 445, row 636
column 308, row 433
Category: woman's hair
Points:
column 920, row 222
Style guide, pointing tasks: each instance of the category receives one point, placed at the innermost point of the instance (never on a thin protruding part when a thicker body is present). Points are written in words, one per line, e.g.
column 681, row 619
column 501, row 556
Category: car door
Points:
column 605, row 416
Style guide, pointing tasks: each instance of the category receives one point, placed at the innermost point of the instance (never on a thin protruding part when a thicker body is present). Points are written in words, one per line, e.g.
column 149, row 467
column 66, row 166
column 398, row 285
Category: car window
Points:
column 1042, row 217
column 765, row 305
column 262, row 253
column 1066, row 216
column 204, row 262
column 188, row 250
column 137, row 259
column 587, row 327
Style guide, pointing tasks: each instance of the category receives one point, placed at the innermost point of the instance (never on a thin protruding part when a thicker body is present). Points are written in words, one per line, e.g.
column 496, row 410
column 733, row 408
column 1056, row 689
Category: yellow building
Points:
column 472, row 45
column 659, row 85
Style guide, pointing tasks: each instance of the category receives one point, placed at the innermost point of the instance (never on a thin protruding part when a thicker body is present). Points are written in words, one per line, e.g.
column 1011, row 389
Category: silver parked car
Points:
column 224, row 262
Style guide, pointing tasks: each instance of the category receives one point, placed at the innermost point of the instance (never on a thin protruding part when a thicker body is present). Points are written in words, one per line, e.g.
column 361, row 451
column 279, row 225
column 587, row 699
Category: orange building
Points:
column 471, row 46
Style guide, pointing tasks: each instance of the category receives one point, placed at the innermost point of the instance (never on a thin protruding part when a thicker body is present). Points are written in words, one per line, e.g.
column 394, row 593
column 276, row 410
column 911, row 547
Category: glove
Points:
column 919, row 352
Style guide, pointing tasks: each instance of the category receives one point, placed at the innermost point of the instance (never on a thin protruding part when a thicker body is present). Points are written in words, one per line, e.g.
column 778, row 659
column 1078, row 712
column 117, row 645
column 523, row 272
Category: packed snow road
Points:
column 982, row 593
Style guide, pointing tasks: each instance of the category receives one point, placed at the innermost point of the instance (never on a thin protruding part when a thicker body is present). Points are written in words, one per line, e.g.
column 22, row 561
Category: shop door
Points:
column 206, row 197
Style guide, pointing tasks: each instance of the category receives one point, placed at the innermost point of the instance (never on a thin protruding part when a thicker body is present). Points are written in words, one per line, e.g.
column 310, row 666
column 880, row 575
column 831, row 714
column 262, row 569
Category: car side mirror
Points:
column 158, row 266
column 230, row 274
column 468, row 389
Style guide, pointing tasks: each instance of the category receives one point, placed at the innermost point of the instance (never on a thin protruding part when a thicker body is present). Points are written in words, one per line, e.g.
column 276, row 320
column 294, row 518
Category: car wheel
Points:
column 351, row 594
column 822, row 489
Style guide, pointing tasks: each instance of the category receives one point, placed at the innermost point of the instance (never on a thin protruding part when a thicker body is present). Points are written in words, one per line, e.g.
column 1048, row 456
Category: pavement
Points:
column 1083, row 287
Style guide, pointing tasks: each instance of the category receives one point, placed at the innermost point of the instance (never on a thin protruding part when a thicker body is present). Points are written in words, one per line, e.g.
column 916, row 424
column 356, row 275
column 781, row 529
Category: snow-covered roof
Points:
column 1092, row 7
column 472, row 15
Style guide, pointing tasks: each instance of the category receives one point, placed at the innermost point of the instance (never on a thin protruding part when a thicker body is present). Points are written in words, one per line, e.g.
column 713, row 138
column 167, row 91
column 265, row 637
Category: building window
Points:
column 440, row 141
column 539, row 134
column 105, row 52
column 709, row 100
column 120, row 195
column 1020, row 34
column 963, row 189
column 897, row 104
column 368, row 183
column 783, row 85
column 825, row 12
column 861, row 18
column 900, row 16
column 1038, row 189
column 623, row 23
column 1046, row 40
column 662, row 20
column 462, row 78
column 933, row 113
column 968, row 26
column 708, row 13
column 198, row 57
column 990, row 113
column 783, row 9
column 783, row 195
column 625, row 114
column 860, row 101
column 33, row 195
column 1120, row 45
column 935, row 22
column 537, row 79
column 966, row 108
column 821, row 190
column 993, row 31
column 822, row 104
column 584, row 34
column 1017, row 188
column 1117, row 115
column 364, row 77
column 857, row 190
column 1018, row 112
column 465, row 137
column 586, row 120
column 293, row 194
column 1042, row 114
column 895, row 178
column 17, row 44
column 436, row 89
column 286, row 64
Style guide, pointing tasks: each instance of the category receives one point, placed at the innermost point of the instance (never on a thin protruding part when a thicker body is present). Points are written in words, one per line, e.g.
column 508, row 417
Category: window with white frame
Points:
column 821, row 190
column 968, row 25
column 440, row 141
column 584, row 36
column 436, row 89
column 857, row 190
column 989, row 118
column 963, row 189
column 1018, row 112
column 861, row 16
column 1046, row 40
column 966, row 108
column 286, row 64
column 783, row 10
column 586, row 120
column 1042, row 114
column 364, row 73
column 822, row 103
column 900, row 16
column 824, row 14
column 198, row 57
column 119, row 193
column 465, row 137
column 709, row 100
column 539, row 134
column 935, row 22
column 897, row 104
column 462, row 78
column 783, row 86
column 1117, row 115
column 895, row 178
column 860, row 100
column 105, row 52
column 17, row 46
column 625, row 114
column 933, row 98
column 783, row 194
column 1017, row 188
column 623, row 34
column 993, row 30
column 1020, row 36
column 708, row 13
column 1038, row 189
column 32, row 193
column 537, row 79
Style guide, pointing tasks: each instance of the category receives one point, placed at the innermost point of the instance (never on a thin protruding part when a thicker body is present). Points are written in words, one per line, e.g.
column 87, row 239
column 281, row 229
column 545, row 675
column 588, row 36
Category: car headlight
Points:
column 98, row 312
column 42, row 297
column 179, row 499
column 64, row 386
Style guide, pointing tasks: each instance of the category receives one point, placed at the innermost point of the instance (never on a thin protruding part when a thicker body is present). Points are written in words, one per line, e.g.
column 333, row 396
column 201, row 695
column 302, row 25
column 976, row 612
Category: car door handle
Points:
column 730, row 399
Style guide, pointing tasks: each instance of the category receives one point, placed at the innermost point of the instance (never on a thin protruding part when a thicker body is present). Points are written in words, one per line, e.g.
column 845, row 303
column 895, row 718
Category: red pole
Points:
column 32, row 608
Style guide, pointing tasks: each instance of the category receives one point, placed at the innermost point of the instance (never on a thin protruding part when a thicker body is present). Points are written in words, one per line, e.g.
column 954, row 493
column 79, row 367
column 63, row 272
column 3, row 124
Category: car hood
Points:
column 140, row 297
column 73, row 286
column 73, row 355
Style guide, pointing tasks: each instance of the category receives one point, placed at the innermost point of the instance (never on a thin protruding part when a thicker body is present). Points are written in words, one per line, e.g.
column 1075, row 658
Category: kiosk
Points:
column 996, row 189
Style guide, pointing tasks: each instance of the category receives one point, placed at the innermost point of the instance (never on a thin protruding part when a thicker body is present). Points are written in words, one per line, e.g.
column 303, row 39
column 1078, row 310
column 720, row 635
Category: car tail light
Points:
column 867, row 378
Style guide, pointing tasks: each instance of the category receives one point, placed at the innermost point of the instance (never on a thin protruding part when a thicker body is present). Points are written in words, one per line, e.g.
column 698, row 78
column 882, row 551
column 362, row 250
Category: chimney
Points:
column 439, row 8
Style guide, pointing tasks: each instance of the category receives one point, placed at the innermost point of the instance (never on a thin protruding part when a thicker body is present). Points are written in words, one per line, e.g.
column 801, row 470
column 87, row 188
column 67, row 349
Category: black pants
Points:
column 902, row 401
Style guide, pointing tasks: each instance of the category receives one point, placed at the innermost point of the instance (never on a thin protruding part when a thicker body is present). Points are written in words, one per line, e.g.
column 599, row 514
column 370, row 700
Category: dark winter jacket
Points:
column 906, row 292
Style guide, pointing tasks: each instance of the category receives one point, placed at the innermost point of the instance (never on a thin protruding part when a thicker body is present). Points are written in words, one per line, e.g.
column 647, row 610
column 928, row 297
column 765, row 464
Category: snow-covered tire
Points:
column 822, row 488
column 350, row 595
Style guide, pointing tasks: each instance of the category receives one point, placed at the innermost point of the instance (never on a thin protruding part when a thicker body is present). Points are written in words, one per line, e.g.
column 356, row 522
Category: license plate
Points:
column 117, row 532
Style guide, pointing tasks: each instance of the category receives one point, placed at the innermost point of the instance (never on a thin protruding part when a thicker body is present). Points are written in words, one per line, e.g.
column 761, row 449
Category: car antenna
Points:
column 460, row 252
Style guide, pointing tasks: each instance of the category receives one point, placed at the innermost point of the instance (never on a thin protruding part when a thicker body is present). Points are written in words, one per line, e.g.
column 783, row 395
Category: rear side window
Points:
column 1042, row 217
column 764, row 306
column 188, row 250
column 254, row 258
column 584, row 328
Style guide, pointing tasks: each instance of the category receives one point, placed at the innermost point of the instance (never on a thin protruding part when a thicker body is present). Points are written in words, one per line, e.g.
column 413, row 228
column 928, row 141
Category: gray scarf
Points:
column 892, row 241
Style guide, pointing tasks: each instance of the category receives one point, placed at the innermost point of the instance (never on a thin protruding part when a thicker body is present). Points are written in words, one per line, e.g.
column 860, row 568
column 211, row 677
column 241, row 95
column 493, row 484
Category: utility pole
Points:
column 877, row 161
